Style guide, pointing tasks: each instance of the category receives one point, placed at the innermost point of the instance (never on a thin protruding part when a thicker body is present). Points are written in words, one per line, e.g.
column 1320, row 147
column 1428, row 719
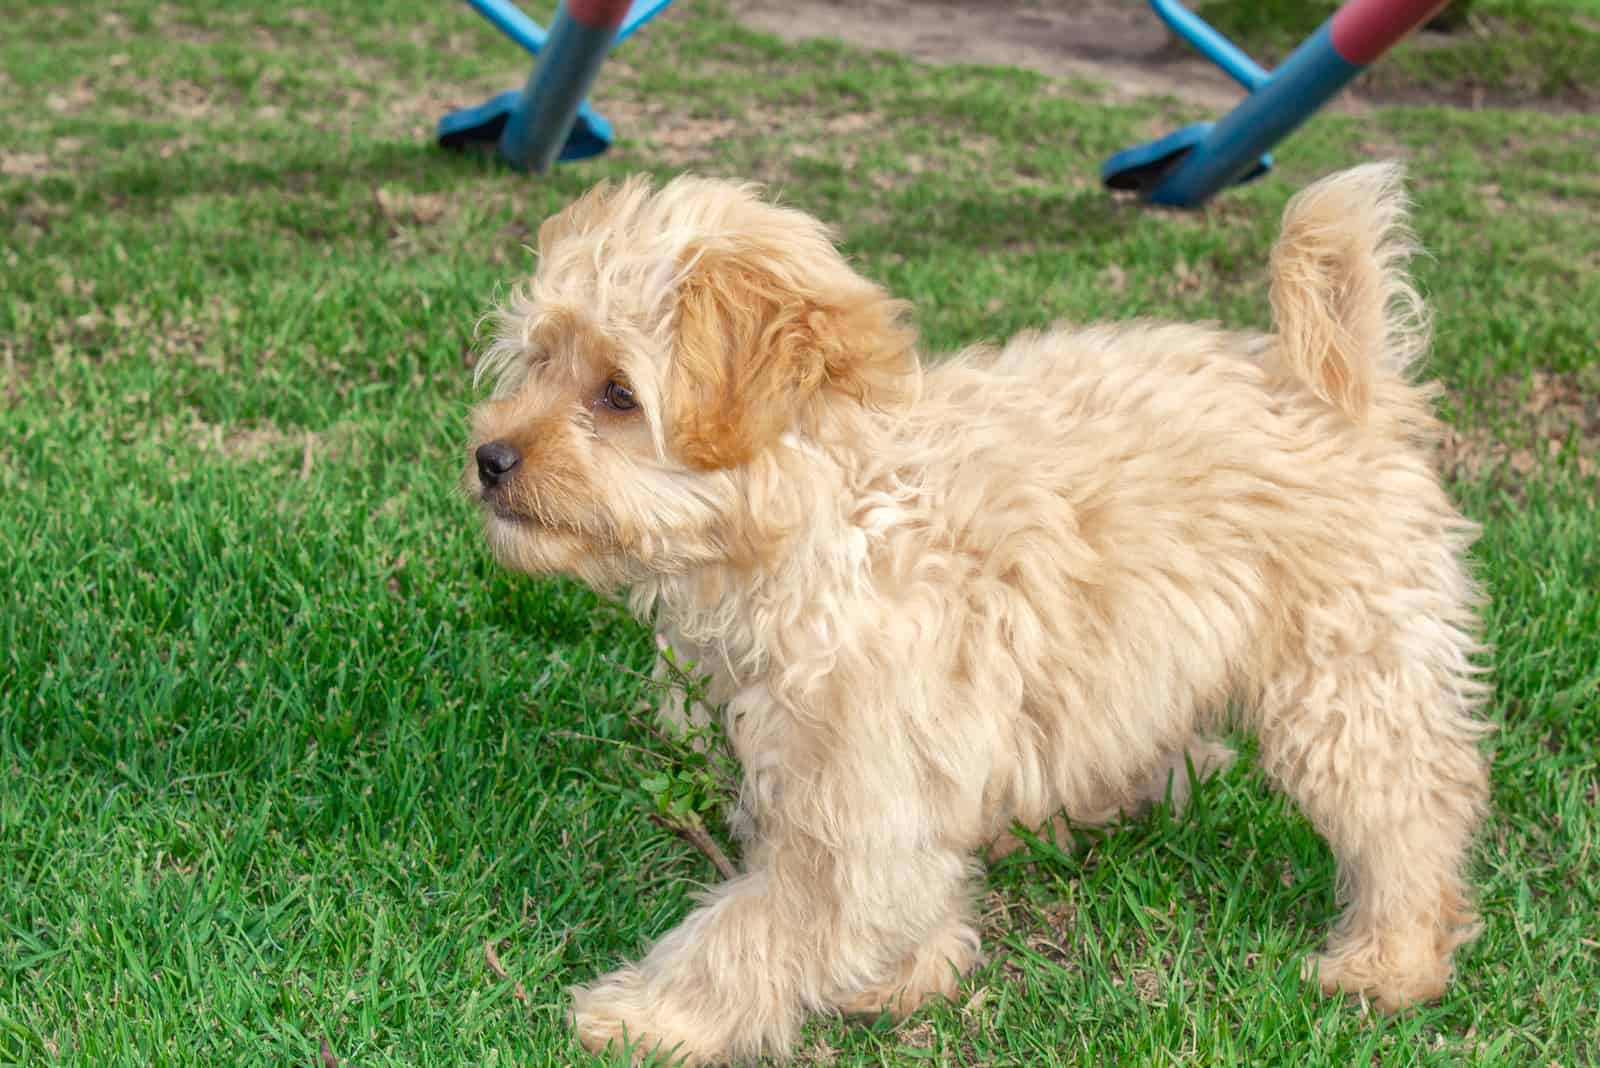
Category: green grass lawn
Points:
column 281, row 749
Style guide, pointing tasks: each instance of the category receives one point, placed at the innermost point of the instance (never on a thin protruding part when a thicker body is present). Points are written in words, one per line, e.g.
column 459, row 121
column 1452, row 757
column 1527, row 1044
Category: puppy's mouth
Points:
column 492, row 503
column 515, row 514
column 496, row 503
column 497, row 507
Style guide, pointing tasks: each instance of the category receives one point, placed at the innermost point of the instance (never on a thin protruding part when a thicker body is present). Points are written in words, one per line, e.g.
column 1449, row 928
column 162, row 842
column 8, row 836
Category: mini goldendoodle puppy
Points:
column 1014, row 583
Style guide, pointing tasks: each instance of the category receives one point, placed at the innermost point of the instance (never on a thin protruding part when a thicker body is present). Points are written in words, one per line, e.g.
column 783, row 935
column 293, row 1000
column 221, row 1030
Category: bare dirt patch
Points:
column 1531, row 423
column 24, row 164
column 400, row 207
column 1119, row 45
column 75, row 99
column 302, row 449
column 806, row 133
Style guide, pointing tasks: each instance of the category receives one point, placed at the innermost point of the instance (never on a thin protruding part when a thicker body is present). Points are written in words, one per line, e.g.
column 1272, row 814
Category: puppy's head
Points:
column 666, row 349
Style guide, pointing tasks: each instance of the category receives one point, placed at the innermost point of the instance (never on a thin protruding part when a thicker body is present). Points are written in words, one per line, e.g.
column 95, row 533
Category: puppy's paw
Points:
column 619, row 1012
column 935, row 970
column 1393, row 971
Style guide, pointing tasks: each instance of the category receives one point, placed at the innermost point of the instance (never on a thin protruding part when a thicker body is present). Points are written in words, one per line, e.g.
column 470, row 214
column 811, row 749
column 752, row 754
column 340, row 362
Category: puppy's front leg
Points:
column 847, row 886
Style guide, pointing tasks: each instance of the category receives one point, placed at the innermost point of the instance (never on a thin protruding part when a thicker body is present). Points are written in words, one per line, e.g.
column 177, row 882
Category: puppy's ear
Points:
column 760, row 340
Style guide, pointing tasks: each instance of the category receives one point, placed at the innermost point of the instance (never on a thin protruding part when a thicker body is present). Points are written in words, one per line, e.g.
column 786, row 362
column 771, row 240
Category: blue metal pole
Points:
column 1215, row 47
column 640, row 13
column 509, row 20
column 1311, row 76
column 543, row 118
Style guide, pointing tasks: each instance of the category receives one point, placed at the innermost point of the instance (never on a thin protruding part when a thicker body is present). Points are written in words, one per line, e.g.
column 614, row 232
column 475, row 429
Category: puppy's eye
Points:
column 619, row 397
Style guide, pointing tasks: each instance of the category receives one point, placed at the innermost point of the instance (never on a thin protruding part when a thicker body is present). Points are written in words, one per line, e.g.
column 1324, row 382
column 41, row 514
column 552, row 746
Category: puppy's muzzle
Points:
column 496, row 461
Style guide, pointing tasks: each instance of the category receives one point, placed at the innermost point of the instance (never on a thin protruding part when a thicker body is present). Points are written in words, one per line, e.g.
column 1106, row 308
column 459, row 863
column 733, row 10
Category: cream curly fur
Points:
column 1018, row 582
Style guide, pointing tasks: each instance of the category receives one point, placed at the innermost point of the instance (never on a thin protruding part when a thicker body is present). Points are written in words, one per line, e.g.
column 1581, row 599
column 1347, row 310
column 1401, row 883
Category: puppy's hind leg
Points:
column 1367, row 710
column 1383, row 759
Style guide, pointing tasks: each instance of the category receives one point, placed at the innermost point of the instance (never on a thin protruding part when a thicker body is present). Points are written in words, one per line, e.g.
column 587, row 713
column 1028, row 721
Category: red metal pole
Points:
column 1363, row 30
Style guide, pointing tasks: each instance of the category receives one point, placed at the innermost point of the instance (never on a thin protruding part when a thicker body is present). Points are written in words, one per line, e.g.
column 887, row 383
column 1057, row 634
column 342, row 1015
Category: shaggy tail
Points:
column 1343, row 307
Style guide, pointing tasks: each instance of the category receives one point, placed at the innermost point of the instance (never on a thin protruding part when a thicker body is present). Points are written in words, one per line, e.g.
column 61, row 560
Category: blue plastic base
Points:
column 524, row 139
column 1188, row 167
column 1311, row 76
column 1140, row 169
column 481, row 127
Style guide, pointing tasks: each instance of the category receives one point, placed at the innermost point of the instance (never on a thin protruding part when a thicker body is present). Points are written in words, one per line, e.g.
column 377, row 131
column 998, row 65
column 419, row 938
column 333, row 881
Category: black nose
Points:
column 496, row 460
